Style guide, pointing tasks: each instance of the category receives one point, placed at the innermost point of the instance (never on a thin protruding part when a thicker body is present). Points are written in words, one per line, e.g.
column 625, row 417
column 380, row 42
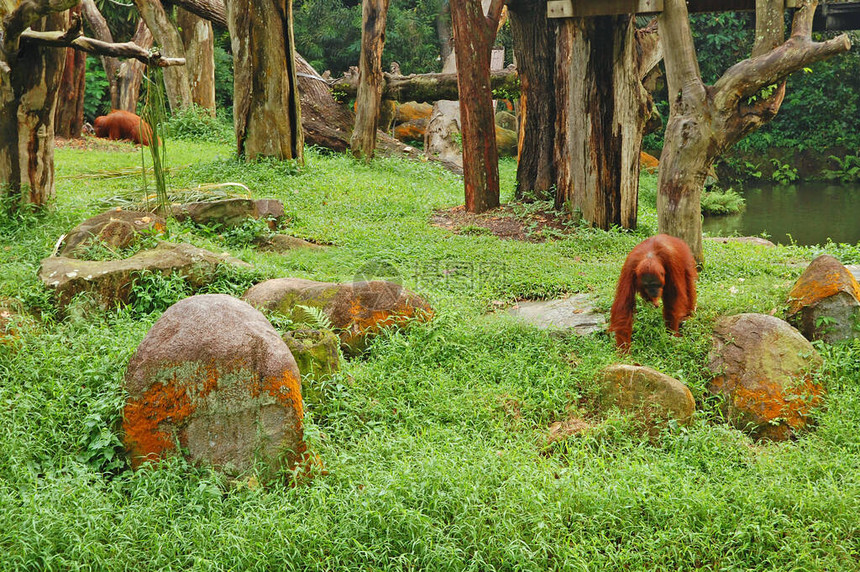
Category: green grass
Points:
column 435, row 441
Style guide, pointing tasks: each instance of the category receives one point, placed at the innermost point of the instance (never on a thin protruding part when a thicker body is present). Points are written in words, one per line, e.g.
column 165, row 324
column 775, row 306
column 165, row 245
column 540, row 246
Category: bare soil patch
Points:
column 89, row 143
column 529, row 222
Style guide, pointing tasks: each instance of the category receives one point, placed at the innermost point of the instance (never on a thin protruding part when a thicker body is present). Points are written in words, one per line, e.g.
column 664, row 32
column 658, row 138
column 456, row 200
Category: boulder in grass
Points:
column 824, row 303
column 214, row 381
column 115, row 229
column 227, row 213
column 110, row 281
column 317, row 352
column 357, row 310
column 652, row 397
column 765, row 371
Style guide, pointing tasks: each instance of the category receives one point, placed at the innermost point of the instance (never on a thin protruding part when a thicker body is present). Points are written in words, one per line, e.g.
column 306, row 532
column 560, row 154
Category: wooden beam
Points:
column 589, row 8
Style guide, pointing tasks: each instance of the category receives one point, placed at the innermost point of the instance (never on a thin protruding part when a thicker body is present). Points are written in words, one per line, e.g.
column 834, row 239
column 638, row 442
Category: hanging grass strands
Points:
column 154, row 112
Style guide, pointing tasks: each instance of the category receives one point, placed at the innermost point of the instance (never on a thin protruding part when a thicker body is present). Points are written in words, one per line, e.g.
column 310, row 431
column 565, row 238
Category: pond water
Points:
column 808, row 213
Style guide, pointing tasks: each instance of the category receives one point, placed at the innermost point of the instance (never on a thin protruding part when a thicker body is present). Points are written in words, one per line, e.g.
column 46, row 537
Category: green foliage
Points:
column 155, row 114
column 783, row 173
column 721, row 202
column 314, row 317
column 197, row 124
column 847, row 169
column 223, row 74
column 435, row 441
column 96, row 90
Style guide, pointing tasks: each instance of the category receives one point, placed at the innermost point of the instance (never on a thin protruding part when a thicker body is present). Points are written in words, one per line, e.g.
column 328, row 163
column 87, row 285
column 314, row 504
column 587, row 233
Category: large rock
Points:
column 413, row 130
column 507, row 120
column 412, row 110
column 110, row 281
column 824, row 303
column 226, row 213
column 653, row 397
column 357, row 310
column 214, row 381
column 764, row 369
column 115, row 229
column 506, row 142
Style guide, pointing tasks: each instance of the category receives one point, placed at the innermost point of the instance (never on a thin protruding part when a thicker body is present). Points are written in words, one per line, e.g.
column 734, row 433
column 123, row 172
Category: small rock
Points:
column 316, row 352
column 358, row 310
column 283, row 243
column 226, row 213
column 110, row 281
column 506, row 120
column 572, row 313
column 757, row 240
column 653, row 397
column 764, row 370
column 824, row 303
column 214, row 381
column 116, row 229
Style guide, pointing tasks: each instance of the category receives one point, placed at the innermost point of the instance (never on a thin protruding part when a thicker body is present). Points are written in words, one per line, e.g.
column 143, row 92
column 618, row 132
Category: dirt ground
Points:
column 90, row 143
column 530, row 222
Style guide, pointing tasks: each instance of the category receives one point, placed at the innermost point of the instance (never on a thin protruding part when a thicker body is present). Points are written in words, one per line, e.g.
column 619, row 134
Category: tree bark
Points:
column 474, row 34
column 100, row 30
column 266, row 108
column 444, row 33
column 704, row 121
column 130, row 73
column 369, row 97
column 177, row 84
column 534, row 38
column 427, row 87
column 600, row 129
column 199, row 42
column 69, row 118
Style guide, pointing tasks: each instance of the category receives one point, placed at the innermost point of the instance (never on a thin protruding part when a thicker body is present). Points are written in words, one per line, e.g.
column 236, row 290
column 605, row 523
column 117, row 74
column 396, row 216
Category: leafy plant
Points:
column 197, row 124
column 97, row 89
column 314, row 317
column 847, row 170
column 155, row 292
column 722, row 202
column 783, row 173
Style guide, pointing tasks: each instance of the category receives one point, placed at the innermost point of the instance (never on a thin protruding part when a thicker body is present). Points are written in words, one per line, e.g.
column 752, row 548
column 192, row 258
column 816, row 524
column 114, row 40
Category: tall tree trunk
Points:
column 266, row 109
column 100, row 30
column 69, row 117
column 177, row 84
column 444, row 33
column 367, row 102
column 199, row 41
column 474, row 34
column 605, row 107
column 29, row 83
column 130, row 73
column 704, row 121
column 534, row 38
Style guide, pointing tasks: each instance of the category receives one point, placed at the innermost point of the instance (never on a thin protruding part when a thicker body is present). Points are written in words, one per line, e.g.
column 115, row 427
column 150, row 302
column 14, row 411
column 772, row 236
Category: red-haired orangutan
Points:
column 661, row 266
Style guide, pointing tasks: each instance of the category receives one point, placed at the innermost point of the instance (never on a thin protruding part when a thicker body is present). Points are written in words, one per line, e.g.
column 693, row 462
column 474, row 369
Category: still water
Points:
column 809, row 213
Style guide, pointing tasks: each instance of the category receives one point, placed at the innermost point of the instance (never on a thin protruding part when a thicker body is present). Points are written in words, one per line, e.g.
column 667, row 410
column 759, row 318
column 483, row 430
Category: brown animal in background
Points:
column 120, row 124
column 661, row 266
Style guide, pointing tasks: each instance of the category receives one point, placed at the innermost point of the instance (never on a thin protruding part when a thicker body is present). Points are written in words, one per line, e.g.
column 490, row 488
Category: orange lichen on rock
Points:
column 145, row 418
column 824, row 277
column 287, row 389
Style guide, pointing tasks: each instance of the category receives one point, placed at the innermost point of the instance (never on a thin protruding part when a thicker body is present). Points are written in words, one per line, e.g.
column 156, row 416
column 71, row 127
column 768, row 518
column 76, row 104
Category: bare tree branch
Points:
column 745, row 79
column 63, row 39
column 212, row 10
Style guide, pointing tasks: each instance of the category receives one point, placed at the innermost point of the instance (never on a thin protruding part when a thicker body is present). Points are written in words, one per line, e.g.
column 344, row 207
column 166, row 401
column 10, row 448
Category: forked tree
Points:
column 705, row 120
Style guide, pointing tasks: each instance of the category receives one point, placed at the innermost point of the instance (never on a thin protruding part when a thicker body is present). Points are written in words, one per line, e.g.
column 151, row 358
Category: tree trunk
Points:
column 704, row 121
column 100, row 30
column 130, row 73
column 600, row 128
column 534, row 38
column 444, row 33
column 199, row 41
column 369, row 97
column 429, row 87
column 474, row 34
column 69, row 118
column 29, row 83
column 177, row 84
column 266, row 109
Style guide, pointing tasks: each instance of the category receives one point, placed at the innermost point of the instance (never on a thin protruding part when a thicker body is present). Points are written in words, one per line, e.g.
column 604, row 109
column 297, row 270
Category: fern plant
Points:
column 315, row 317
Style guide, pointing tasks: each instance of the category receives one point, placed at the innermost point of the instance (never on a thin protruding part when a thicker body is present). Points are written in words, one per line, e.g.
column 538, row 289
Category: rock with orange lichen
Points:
column 824, row 303
column 652, row 397
column 115, row 229
column 213, row 380
column 765, row 371
column 357, row 310
column 649, row 163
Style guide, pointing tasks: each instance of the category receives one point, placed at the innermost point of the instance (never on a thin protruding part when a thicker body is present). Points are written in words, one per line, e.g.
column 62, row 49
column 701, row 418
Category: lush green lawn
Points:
column 435, row 441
